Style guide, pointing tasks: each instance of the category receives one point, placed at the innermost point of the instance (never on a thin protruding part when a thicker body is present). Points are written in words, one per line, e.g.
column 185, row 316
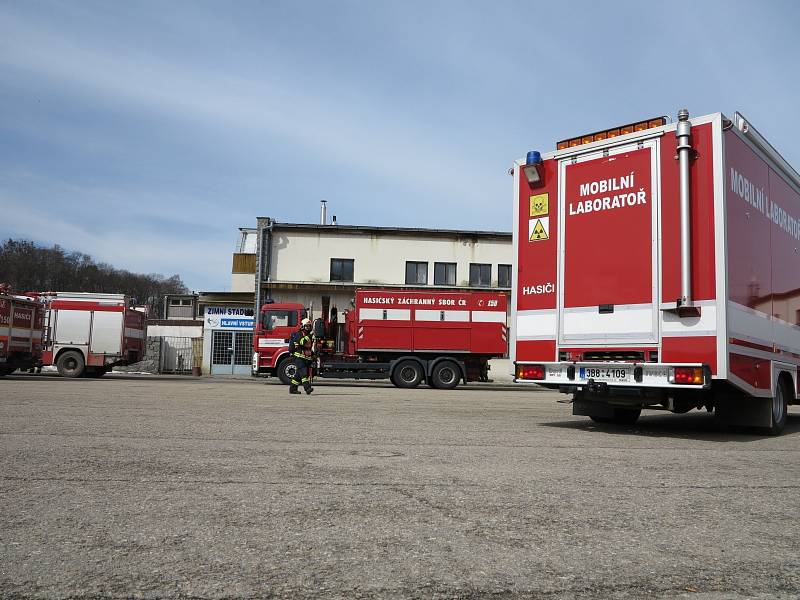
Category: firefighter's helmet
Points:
column 305, row 323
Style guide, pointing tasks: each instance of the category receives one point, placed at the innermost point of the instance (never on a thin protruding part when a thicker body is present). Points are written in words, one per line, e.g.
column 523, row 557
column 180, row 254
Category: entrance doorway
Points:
column 231, row 352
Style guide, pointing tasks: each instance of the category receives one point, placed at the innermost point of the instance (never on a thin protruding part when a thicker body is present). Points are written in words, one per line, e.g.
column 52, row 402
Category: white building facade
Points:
column 322, row 265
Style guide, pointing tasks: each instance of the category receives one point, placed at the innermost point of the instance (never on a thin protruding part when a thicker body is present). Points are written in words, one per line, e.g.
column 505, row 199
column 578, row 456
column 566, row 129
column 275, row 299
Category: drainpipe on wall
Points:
column 263, row 258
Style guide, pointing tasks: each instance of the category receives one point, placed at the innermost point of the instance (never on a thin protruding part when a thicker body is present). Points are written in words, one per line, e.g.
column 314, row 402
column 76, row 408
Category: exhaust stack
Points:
column 323, row 212
column 683, row 133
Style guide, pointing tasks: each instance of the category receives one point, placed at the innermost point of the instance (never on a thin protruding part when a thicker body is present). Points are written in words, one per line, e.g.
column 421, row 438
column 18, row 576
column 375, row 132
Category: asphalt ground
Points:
column 147, row 487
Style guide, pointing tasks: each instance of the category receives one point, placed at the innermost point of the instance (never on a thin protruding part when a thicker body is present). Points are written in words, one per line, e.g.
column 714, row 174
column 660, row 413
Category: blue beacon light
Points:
column 533, row 162
column 534, row 157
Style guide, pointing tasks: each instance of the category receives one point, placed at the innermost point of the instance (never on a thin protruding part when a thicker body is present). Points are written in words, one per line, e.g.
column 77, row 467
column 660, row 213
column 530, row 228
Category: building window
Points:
column 480, row 275
column 342, row 269
column 416, row 273
column 180, row 302
column 444, row 273
column 503, row 275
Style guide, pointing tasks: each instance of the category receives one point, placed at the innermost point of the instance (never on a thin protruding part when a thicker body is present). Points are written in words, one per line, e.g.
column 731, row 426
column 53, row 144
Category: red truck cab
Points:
column 275, row 323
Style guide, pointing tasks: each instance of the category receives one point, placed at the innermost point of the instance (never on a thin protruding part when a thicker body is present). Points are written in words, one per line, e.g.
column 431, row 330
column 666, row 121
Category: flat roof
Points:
column 400, row 230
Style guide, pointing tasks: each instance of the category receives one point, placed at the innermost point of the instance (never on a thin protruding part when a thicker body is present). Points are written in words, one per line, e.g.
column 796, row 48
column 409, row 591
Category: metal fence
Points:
column 180, row 354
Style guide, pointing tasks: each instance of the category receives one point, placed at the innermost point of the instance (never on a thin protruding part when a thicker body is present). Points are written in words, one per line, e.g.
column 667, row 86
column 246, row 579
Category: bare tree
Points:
column 31, row 268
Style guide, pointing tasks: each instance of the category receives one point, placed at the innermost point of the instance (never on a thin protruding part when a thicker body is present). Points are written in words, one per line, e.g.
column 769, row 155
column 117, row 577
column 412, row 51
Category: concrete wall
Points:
column 243, row 282
column 152, row 358
column 175, row 331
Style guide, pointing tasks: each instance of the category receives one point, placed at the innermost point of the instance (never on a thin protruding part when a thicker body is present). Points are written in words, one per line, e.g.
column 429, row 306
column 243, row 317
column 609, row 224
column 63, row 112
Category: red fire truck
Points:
column 657, row 266
column 20, row 332
column 87, row 334
column 442, row 338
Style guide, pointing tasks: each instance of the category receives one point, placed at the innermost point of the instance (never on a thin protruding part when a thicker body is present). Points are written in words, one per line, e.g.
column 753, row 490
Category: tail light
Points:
column 686, row 375
column 530, row 372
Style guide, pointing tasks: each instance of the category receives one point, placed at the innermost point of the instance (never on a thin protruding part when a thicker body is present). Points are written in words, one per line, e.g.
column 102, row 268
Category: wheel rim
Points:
column 778, row 406
column 71, row 364
column 408, row 374
column 447, row 375
column 291, row 371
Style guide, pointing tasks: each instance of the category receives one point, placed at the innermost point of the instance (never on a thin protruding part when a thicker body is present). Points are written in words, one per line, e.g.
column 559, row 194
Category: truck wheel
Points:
column 780, row 409
column 70, row 364
column 445, row 375
column 286, row 371
column 407, row 374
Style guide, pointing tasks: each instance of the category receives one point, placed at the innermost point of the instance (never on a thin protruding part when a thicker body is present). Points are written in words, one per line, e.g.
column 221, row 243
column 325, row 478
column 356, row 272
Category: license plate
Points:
column 604, row 373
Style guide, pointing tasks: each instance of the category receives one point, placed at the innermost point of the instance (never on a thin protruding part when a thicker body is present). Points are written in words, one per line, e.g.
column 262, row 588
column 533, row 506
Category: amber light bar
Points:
column 611, row 133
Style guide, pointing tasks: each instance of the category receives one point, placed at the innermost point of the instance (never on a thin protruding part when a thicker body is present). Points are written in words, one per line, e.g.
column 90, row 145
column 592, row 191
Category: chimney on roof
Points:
column 334, row 220
column 323, row 212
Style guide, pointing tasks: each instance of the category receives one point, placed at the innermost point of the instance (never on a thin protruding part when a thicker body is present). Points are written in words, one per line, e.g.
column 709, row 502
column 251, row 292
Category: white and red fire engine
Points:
column 657, row 266
column 87, row 334
column 408, row 337
column 21, row 327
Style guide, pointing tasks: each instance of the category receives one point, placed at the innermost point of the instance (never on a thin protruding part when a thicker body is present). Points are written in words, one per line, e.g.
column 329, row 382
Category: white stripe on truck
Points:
column 488, row 316
column 537, row 324
column 392, row 314
column 436, row 315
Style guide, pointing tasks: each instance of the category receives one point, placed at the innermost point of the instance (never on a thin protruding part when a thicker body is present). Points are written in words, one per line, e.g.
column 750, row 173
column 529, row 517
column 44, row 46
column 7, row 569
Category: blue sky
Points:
column 145, row 133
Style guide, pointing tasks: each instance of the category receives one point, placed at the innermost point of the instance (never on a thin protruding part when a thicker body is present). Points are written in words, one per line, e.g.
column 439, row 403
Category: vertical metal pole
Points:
column 683, row 133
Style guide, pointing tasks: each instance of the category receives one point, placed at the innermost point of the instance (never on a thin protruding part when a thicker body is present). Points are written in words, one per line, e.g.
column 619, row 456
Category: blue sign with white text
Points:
column 237, row 323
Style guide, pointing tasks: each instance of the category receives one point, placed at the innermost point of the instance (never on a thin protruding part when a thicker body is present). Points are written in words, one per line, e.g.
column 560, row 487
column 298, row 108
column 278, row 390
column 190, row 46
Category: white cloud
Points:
column 363, row 138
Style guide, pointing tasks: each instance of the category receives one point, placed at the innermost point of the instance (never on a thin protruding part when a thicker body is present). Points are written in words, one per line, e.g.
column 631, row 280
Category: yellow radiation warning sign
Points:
column 539, row 205
column 539, row 229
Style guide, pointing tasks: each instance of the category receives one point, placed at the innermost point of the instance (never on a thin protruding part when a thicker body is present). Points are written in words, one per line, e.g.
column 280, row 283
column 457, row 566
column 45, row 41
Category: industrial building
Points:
column 321, row 265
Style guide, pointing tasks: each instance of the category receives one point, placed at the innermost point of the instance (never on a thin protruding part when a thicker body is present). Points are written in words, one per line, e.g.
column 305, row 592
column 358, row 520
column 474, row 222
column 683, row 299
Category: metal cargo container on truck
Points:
column 409, row 337
column 87, row 334
column 657, row 266
column 20, row 332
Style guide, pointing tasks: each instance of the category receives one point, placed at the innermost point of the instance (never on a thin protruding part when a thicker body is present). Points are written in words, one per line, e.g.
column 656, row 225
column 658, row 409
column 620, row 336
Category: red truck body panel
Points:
column 20, row 332
column 455, row 322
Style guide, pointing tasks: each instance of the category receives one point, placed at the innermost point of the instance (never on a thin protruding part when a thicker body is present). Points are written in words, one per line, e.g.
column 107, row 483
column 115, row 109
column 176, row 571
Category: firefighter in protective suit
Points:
column 301, row 346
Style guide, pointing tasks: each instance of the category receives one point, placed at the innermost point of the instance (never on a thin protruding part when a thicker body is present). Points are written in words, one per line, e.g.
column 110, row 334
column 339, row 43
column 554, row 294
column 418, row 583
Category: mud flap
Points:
column 744, row 411
column 585, row 408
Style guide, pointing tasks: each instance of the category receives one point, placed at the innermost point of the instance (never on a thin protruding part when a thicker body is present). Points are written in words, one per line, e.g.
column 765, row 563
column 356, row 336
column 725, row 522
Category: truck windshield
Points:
column 270, row 319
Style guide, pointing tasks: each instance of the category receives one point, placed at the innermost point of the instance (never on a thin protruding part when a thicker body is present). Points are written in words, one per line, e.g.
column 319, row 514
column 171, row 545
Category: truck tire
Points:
column 445, row 375
column 621, row 416
column 286, row 370
column 71, row 364
column 780, row 409
column 407, row 374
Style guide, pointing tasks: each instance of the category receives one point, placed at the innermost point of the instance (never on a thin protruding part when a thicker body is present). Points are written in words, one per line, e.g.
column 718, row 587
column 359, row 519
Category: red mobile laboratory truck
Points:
column 657, row 266
column 442, row 338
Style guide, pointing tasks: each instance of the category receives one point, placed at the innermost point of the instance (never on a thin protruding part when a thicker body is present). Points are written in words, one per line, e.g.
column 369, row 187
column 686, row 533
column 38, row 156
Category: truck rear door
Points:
column 608, row 246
